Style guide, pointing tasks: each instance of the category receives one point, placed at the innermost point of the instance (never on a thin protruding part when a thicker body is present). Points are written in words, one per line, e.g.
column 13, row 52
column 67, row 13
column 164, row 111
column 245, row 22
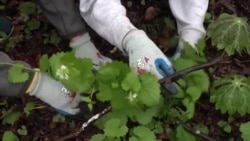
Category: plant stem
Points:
column 181, row 73
column 85, row 124
column 17, row 65
column 201, row 135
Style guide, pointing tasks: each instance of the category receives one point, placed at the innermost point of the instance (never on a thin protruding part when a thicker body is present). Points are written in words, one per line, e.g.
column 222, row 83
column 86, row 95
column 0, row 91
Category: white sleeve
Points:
column 108, row 18
column 189, row 15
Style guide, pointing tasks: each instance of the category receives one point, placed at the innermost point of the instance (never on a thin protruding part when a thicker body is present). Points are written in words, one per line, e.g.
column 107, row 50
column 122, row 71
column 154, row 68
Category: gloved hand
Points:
column 55, row 94
column 190, row 36
column 86, row 49
column 144, row 55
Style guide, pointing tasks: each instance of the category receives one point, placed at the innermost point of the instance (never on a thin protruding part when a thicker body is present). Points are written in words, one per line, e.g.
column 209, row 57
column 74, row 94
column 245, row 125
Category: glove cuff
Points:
column 34, row 88
column 33, row 82
column 132, row 37
column 191, row 36
column 85, row 38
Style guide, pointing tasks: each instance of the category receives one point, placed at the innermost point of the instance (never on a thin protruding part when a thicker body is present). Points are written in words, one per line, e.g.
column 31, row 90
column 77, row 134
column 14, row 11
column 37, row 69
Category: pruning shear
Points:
column 167, row 85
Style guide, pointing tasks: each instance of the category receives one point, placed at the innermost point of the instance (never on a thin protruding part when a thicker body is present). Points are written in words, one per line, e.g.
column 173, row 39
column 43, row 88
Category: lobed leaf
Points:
column 245, row 129
column 16, row 74
column 150, row 90
column 142, row 133
column 114, row 128
column 231, row 94
column 230, row 33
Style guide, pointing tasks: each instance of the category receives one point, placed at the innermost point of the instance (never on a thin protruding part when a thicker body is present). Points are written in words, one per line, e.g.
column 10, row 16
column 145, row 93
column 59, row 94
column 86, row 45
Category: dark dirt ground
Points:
column 39, row 123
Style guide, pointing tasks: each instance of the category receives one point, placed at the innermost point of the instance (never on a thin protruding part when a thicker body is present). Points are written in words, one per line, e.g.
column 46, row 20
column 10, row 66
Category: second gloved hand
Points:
column 55, row 94
column 189, row 36
column 86, row 49
column 144, row 55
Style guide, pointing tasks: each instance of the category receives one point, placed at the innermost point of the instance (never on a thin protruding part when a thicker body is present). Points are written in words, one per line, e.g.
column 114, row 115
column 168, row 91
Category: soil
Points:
column 39, row 123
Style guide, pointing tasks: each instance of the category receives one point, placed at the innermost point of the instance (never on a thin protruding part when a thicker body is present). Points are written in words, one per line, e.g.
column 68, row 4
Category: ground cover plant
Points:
column 214, row 92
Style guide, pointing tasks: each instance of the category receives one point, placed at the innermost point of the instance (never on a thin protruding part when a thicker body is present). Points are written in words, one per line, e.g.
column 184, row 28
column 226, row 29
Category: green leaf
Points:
column 33, row 24
column 142, row 133
column 194, row 93
column 27, row 8
column 222, row 123
column 145, row 117
column 28, row 107
column 198, row 79
column 22, row 131
column 182, row 134
column 114, row 128
column 202, row 128
column 101, row 123
column 227, row 128
column 98, row 137
column 113, row 72
column 245, row 129
column 44, row 64
column 127, row 85
column 3, row 34
column 9, row 136
column 16, row 74
column 190, row 107
column 105, row 93
column 150, row 90
column 12, row 117
column 230, row 33
column 231, row 94
column 75, row 73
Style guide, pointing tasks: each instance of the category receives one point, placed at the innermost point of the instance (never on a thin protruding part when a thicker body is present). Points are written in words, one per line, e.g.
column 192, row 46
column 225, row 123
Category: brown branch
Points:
column 85, row 124
column 181, row 73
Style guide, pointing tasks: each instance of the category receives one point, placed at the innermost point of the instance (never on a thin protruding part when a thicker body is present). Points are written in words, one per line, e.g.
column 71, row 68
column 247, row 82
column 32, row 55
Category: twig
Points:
column 181, row 73
column 202, row 135
column 85, row 124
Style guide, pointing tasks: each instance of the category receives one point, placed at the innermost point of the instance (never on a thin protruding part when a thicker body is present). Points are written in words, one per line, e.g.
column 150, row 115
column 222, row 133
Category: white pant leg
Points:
column 189, row 15
column 108, row 18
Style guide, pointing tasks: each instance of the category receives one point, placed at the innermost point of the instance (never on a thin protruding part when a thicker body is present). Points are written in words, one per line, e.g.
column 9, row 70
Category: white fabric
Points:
column 107, row 18
column 86, row 49
column 56, row 95
column 189, row 15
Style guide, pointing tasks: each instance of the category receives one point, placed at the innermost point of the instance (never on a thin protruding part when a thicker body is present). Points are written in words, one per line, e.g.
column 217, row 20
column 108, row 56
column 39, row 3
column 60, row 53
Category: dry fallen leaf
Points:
column 150, row 13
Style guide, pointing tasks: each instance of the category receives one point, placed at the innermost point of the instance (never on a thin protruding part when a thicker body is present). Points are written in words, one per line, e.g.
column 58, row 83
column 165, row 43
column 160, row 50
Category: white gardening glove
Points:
column 144, row 55
column 86, row 49
column 189, row 36
column 56, row 95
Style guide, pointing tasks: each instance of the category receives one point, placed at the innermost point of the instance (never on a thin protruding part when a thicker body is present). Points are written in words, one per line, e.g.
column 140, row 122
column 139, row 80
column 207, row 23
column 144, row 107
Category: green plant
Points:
column 139, row 111
column 9, row 136
column 10, row 41
column 226, row 124
column 244, row 129
column 53, row 39
column 231, row 94
column 230, row 33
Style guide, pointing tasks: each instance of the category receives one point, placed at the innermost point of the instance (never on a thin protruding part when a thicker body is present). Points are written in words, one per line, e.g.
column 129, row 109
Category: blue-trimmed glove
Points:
column 55, row 94
column 144, row 55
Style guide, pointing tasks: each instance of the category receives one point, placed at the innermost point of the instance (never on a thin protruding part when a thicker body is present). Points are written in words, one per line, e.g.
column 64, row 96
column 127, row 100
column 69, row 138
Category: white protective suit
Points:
column 108, row 19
